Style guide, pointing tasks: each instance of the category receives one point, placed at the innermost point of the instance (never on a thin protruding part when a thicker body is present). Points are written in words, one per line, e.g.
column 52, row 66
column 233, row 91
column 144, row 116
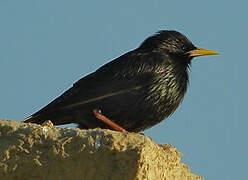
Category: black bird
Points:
column 136, row 90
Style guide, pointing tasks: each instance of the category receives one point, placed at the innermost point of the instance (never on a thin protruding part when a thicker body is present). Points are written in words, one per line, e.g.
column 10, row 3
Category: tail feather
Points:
column 28, row 119
column 56, row 118
column 34, row 119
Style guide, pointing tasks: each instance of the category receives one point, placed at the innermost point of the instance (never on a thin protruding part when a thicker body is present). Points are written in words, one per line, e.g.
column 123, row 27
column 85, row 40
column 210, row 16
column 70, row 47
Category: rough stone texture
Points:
column 30, row 151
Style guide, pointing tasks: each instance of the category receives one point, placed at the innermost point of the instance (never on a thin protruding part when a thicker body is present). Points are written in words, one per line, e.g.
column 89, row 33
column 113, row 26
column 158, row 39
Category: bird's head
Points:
column 175, row 45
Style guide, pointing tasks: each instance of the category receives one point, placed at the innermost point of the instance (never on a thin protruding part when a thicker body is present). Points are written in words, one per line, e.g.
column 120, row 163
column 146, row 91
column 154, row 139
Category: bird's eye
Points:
column 183, row 48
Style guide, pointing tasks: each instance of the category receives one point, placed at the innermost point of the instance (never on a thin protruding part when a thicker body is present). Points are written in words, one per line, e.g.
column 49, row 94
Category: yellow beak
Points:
column 201, row 52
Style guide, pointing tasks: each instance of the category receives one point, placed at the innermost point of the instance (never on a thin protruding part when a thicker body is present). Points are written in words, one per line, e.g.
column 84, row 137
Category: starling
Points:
column 134, row 91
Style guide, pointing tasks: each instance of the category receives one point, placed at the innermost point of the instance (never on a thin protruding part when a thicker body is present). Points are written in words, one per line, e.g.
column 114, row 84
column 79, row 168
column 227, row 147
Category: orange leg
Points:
column 106, row 120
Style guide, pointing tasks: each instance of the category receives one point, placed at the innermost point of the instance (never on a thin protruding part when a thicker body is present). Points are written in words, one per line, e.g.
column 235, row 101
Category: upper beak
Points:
column 201, row 52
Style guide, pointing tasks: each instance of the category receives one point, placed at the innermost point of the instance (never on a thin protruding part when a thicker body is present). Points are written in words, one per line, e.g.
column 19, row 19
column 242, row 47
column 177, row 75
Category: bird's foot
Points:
column 106, row 120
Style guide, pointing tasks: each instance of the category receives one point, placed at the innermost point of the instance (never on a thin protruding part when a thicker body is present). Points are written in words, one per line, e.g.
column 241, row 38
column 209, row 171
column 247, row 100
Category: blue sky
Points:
column 46, row 46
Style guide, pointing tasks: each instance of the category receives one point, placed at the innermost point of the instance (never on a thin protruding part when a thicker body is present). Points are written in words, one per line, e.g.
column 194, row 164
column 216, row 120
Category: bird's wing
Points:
column 121, row 75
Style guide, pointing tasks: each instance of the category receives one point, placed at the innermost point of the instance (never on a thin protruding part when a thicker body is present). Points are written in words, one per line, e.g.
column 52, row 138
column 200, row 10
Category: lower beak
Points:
column 201, row 52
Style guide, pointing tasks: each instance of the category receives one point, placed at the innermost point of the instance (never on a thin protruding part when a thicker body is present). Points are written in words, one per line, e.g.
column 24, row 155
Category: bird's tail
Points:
column 34, row 119
column 55, row 118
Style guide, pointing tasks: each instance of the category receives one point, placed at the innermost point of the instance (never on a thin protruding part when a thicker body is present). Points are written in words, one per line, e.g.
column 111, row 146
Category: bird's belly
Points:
column 134, row 111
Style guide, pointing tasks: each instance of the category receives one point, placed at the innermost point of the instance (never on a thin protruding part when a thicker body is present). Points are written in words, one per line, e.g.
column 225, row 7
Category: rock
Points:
column 31, row 151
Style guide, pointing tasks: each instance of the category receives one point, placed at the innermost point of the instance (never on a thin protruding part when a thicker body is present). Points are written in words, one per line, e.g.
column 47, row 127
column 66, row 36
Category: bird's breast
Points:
column 166, row 92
